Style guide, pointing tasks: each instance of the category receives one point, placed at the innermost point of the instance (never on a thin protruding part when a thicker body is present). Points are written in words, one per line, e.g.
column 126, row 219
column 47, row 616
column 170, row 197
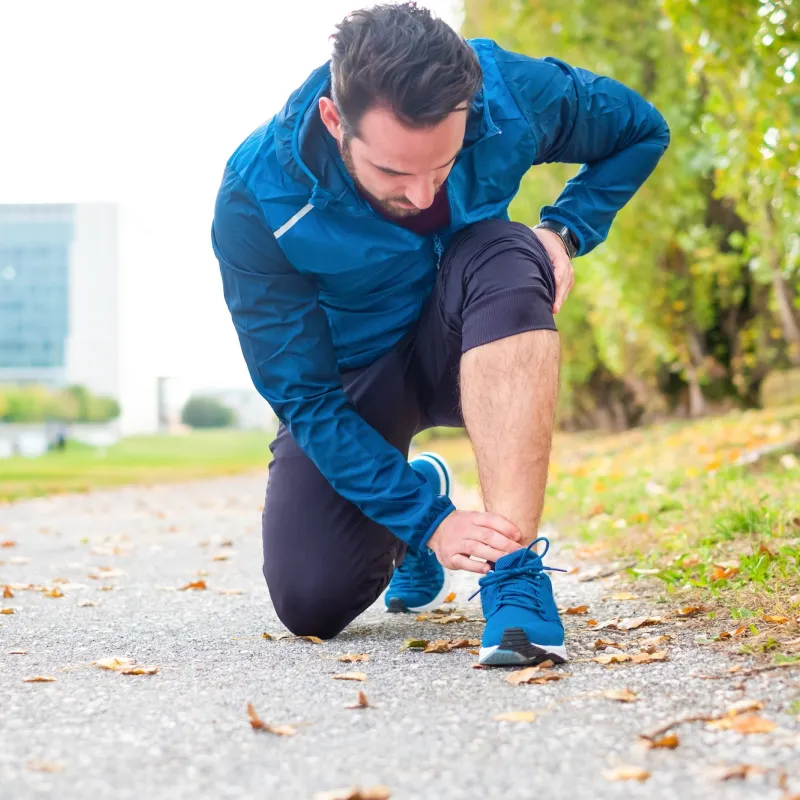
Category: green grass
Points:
column 138, row 459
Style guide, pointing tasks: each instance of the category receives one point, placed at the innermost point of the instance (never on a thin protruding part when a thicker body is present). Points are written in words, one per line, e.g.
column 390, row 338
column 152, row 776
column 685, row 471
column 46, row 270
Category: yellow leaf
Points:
column 621, row 695
column 627, row 774
column 7, row 593
column 38, row 679
column 135, row 669
column 623, row 596
column 114, row 663
column 7, row 611
column 668, row 742
column 652, row 643
column 349, row 658
column 312, row 639
column 603, row 644
column 637, row 622
column 578, row 610
column 259, row 725
column 8, row 543
column 689, row 611
column 777, row 619
column 647, row 658
column 362, row 702
column 350, row 676
column 516, row 716
column 193, row 585
column 414, row 644
column 220, row 557
column 54, row 592
column 448, row 619
column 614, row 658
column 743, row 724
column 537, row 675
column 450, row 597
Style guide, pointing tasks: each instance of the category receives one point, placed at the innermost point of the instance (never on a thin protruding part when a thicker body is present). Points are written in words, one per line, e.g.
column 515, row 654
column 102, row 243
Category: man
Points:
column 378, row 289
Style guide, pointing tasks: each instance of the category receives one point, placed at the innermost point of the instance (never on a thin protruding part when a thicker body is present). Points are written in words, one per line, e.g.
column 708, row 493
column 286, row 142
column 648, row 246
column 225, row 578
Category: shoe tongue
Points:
column 516, row 559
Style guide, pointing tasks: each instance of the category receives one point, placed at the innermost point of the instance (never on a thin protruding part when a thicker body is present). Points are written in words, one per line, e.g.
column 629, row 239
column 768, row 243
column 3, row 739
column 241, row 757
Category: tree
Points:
column 207, row 412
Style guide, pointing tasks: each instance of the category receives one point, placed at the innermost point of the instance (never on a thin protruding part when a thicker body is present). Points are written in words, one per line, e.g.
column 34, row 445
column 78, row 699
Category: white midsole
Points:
column 439, row 599
column 550, row 649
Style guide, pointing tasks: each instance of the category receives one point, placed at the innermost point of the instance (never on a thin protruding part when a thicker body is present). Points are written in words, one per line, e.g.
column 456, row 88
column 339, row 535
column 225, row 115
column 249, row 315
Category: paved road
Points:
column 184, row 732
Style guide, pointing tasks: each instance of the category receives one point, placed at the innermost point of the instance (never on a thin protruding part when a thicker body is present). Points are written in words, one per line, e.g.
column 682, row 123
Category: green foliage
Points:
column 207, row 412
column 33, row 403
column 695, row 295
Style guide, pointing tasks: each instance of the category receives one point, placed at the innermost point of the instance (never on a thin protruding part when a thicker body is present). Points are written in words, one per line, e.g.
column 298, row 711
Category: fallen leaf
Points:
column 609, row 624
column 590, row 623
column 668, row 742
column 17, row 652
column 230, row 591
column 627, row 774
column 134, row 669
column 54, row 592
column 8, row 543
column 722, row 572
column 312, row 639
column 535, row 675
column 19, row 560
column 259, row 725
column 623, row 596
column 743, row 706
column 777, row 619
column 448, row 619
column 226, row 543
column 723, row 635
column 602, row 644
column 44, row 766
column 113, row 663
column 446, row 645
column 201, row 572
column 647, row 658
column 738, row 771
column 7, row 611
column 362, row 702
column 111, row 572
column 450, row 597
column 621, row 695
column 516, row 716
column 578, row 610
column 349, row 658
column 631, row 623
column 266, row 635
column 355, row 793
column 614, row 658
column 740, row 630
column 743, row 723
column 415, row 644
column 652, row 643
column 193, row 585
column 7, row 593
column 688, row 611
column 220, row 557
column 350, row 676
column 38, row 679
column 85, row 603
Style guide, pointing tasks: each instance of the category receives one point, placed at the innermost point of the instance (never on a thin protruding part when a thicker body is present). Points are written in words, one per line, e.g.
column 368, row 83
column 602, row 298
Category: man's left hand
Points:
column 562, row 266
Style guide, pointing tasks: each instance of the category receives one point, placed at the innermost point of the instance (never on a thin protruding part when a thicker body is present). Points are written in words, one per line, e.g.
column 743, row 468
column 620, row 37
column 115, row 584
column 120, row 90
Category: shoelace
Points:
column 516, row 595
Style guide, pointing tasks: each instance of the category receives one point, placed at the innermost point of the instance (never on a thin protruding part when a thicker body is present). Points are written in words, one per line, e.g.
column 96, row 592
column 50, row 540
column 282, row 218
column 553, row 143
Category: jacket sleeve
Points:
column 578, row 117
column 288, row 348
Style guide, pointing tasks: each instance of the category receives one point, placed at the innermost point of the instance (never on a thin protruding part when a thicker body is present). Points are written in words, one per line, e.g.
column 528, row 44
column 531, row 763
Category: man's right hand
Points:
column 473, row 533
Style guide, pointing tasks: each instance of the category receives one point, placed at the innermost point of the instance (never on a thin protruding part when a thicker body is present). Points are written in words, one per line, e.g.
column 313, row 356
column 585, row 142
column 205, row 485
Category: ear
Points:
column 330, row 118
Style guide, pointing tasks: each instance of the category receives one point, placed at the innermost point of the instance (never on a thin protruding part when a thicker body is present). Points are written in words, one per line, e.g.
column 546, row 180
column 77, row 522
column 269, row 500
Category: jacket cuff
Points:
column 441, row 508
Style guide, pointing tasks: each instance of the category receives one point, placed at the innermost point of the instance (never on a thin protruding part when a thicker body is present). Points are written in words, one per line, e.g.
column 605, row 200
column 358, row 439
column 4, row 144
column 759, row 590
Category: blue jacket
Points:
column 317, row 282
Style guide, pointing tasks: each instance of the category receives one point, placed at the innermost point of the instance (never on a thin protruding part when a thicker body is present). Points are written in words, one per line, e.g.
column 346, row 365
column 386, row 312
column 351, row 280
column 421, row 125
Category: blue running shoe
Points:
column 522, row 622
column 420, row 583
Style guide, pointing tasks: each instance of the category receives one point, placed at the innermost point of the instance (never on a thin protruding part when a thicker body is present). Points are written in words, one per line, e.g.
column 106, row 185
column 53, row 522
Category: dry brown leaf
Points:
column 738, row 772
column 743, row 706
column 193, row 585
column 44, row 766
column 651, row 643
column 723, row 572
column 113, row 663
column 723, row 635
column 350, row 676
column 230, row 591
column 8, row 543
column 312, row 639
column 623, row 596
column 259, row 725
column 614, row 658
column 415, row 644
column 362, row 702
column 621, row 695
column 220, row 557
column 7, row 593
column 689, row 611
column 17, row 652
column 603, row 644
column 741, row 629
column 54, row 592
column 535, row 675
column 38, row 679
column 7, row 611
column 590, row 623
column 578, row 610
column 627, row 774
column 448, row 619
column 777, row 619
column 647, row 658
column 226, row 543
column 516, row 716
column 609, row 624
column 349, row 658
column 135, row 669
column 668, row 742
column 446, row 645
column 450, row 597
column 743, row 723
column 356, row 793
column 85, row 603
column 632, row 623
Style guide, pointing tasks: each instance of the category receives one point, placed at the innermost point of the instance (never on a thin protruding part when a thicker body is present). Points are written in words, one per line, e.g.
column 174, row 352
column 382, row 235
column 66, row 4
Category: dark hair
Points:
column 402, row 58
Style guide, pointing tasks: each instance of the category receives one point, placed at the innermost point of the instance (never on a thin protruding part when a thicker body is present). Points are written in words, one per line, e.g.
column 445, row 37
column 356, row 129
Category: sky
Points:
column 141, row 104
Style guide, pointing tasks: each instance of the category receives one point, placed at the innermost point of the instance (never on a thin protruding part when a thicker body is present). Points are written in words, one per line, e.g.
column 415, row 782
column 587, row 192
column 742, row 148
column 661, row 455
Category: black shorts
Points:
column 324, row 561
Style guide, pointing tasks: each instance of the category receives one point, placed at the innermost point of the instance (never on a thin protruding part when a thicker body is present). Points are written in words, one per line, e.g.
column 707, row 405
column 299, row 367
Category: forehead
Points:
column 386, row 142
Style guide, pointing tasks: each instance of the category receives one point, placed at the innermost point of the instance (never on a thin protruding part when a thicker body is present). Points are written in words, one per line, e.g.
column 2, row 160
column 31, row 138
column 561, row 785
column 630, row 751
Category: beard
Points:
column 387, row 206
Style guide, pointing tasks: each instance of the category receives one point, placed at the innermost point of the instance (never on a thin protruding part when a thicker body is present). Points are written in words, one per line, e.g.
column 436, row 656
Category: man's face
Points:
column 398, row 169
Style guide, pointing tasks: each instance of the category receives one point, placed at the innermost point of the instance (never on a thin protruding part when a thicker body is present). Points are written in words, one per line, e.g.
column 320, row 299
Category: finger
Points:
column 487, row 519
column 460, row 561
column 497, row 541
column 480, row 550
column 563, row 283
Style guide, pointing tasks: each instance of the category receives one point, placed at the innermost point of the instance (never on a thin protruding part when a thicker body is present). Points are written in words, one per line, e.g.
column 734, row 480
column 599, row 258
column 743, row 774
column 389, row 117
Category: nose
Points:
column 421, row 193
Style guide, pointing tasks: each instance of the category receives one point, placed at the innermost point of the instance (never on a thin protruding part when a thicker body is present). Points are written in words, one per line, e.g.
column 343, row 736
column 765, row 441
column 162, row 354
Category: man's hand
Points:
column 473, row 533
column 562, row 266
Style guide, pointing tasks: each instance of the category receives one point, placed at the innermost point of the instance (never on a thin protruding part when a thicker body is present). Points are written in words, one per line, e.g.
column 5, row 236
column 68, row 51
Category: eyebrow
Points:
column 390, row 171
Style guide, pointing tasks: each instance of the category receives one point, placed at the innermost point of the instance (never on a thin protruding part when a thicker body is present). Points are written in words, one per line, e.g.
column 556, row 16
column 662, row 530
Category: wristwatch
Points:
column 567, row 236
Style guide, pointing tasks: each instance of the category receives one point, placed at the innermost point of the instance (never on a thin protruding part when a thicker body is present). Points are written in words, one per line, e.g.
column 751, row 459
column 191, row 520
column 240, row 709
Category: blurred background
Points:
column 118, row 120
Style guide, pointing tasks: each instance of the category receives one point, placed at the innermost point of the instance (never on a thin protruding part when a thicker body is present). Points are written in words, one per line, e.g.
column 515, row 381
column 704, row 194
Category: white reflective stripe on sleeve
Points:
column 293, row 221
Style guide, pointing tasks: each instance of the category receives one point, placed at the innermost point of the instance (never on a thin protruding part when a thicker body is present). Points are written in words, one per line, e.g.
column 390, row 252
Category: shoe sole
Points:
column 397, row 606
column 515, row 649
